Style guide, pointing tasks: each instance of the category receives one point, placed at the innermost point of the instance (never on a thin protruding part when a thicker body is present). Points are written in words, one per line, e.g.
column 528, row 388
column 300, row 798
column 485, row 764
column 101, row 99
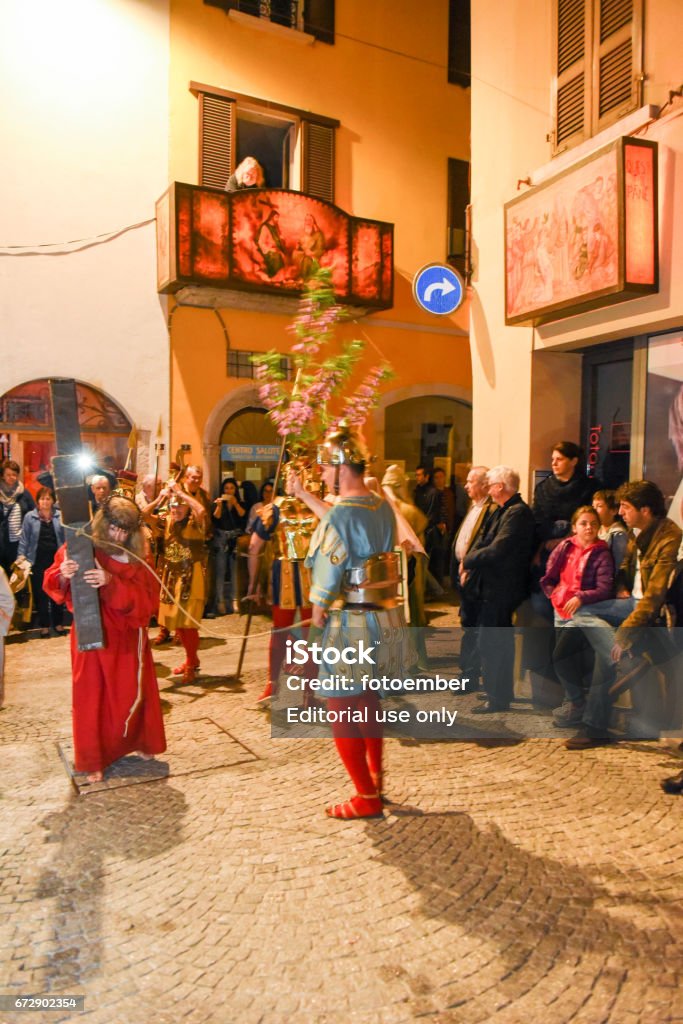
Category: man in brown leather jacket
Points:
column 617, row 630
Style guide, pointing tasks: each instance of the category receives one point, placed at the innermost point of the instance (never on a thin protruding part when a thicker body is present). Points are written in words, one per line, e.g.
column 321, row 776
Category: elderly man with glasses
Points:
column 497, row 570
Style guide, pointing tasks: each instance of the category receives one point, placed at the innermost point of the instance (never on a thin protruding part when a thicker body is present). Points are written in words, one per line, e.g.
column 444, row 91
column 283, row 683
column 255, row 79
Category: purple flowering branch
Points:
column 299, row 410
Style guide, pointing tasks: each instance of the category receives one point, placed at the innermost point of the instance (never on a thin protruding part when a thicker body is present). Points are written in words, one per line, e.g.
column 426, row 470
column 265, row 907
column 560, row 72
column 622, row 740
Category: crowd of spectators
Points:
column 31, row 532
column 595, row 565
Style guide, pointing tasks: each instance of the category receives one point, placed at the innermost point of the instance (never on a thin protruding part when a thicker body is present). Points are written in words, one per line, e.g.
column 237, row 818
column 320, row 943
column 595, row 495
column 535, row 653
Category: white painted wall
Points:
column 510, row 118
column 523, row 398
column 84, row 129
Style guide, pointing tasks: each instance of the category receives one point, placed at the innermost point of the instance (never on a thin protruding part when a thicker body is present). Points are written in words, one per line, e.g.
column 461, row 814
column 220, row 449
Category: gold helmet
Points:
column 126, row 481
column 343, row 446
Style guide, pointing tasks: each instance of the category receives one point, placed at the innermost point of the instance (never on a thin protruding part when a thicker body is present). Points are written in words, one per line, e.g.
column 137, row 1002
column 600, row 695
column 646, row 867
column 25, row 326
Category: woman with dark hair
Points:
column 15, row 502
column 265, row 498
column 558, row 496
column 116, row 708
column 229, row 520
column 556, row 499
column 41, row 534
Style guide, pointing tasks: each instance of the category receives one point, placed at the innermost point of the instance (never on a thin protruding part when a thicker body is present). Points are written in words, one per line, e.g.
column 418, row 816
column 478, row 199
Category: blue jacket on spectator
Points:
column 30, row 531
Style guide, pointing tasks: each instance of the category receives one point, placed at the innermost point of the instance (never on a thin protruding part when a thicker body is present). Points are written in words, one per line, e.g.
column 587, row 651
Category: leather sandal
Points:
column 163, row 637
column 188, row 672
column 362, row 805
column 377, row 779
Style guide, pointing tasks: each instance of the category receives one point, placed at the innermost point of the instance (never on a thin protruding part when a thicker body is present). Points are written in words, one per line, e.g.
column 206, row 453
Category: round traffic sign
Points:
column 438, row 289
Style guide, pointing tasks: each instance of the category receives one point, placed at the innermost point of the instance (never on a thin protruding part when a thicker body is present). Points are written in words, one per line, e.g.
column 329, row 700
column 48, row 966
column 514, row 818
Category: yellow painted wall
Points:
column 400, row 121
column 199, row 356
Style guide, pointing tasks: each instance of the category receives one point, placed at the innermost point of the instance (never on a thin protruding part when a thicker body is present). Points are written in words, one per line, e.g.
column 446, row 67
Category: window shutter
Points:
column 216, row 140
column 571, row 86
column 318, row 161
column 617, row 61
column 459, row 43
column 319, row 19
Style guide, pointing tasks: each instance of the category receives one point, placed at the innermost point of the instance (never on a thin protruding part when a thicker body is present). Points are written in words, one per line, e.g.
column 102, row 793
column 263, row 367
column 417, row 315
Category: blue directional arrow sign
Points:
column 438, row 289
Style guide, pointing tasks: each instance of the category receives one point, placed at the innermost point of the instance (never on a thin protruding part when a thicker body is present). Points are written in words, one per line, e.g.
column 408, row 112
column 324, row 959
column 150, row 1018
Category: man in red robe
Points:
column 116, row 706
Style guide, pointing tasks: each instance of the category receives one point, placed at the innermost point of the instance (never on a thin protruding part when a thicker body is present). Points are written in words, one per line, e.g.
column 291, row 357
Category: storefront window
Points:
column 663, row 460
column 606, row 433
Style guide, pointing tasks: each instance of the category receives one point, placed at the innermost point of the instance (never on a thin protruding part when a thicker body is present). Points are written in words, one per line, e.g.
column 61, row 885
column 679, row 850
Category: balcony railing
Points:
column 270, row 242
column 280, row 12
column 288, row 13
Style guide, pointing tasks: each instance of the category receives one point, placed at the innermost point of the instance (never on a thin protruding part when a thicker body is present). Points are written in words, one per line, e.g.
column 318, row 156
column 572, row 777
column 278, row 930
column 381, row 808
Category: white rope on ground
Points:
column 80, row 531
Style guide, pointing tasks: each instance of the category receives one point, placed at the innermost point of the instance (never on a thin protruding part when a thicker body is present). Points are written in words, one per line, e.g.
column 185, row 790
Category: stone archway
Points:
column 414, row 391
column 244, row 397
column 26, row 425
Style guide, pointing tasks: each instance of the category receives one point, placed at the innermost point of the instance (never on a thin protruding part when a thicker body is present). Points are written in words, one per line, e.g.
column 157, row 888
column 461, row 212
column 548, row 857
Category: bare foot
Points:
column 145, row 757
column 95, row 777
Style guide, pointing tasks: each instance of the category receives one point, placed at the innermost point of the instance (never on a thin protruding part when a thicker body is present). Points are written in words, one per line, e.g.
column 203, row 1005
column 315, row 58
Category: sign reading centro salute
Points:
column 438, row 289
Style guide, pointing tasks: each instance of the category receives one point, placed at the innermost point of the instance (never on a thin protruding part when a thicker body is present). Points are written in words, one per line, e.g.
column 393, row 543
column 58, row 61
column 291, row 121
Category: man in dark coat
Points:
column 471, row 529
column 499, row 563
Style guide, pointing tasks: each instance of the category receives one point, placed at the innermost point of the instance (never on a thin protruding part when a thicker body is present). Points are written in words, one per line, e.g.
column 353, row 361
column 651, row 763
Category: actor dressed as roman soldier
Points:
column 184, row 575
column 354, row 598
column 289, row 523
column 151, row 512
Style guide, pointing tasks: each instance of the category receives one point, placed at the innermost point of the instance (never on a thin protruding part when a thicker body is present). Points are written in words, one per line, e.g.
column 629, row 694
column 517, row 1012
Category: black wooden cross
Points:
column 72, row 496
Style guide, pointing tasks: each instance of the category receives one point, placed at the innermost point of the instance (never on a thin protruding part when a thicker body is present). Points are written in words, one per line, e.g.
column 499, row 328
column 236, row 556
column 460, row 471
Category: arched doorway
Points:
column 429, row 430
column 27, row 433
column 249, row 446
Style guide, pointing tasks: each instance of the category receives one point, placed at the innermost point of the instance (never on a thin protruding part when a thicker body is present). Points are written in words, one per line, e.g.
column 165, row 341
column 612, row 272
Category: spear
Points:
column 250, row 613
column 132, row 449
column 159, row 448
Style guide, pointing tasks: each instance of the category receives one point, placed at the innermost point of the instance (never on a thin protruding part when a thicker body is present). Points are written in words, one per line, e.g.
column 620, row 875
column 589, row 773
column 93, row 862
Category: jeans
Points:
column 597, row 622
column 223, row 547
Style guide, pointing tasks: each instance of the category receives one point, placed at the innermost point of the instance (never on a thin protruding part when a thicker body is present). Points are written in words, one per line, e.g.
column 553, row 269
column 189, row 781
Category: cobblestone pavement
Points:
column 509, row 882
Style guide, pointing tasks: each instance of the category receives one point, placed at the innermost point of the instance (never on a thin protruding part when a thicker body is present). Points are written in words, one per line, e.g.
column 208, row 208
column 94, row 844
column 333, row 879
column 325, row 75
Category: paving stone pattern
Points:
column 509, row 882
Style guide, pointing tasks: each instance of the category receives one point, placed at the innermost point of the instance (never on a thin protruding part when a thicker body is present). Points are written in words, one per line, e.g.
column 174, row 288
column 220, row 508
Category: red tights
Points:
column 282, row 618
column 359, row 744
column 190, row 641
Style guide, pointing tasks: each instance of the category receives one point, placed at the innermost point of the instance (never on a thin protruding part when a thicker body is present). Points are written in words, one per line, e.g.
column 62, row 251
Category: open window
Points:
column 296, row 148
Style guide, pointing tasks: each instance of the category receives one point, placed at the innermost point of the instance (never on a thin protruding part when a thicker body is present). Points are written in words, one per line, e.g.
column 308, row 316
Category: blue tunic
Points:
column 353, row 530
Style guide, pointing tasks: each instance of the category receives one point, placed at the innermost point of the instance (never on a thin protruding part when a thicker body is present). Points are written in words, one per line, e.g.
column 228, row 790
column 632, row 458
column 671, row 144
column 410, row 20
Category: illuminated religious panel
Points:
column 279, row 237
column 184, row 232
column 270, row 241
column 586, row 238
column 366, row 260
column 210, row 231
column 640, row 185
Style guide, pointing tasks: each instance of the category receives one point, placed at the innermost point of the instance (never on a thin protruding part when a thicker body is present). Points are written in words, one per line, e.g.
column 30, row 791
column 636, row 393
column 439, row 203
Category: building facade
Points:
column 184, row 89
column 331, row 111
column 571, row 101
column 86, row 144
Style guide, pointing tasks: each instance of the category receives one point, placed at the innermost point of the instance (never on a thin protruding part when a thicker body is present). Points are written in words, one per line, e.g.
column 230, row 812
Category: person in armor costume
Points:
column 148, row 502
column 289, row 523
column 184, row 575
column 354, row 598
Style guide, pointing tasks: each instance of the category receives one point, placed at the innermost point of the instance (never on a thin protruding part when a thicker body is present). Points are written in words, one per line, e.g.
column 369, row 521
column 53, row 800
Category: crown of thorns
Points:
column 114, row 519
